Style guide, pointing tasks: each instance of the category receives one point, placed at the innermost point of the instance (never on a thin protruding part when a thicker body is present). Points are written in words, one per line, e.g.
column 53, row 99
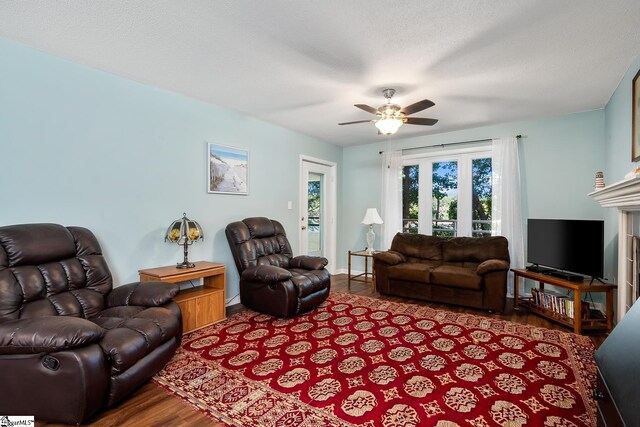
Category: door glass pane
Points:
column 481, row 197
column 410, row 198
column 445, row 198
column 314, row 220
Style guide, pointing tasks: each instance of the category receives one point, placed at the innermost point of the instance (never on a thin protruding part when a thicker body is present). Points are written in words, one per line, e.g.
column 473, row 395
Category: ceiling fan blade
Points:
column 421, row 121
column 352, row 123
column 418, row 106
column 366, row 108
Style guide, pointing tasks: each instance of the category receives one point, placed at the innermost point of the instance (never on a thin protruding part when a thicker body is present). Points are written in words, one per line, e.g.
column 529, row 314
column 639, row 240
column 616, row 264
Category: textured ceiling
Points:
column 303, row 64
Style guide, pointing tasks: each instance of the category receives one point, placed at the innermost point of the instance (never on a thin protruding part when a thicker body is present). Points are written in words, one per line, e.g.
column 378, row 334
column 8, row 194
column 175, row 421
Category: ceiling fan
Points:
column 391, row 116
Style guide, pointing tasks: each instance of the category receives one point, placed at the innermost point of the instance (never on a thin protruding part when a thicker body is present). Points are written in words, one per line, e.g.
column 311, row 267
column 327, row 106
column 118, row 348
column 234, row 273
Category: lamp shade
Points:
column 184, row 231
column 388, row 126
column 372, row 217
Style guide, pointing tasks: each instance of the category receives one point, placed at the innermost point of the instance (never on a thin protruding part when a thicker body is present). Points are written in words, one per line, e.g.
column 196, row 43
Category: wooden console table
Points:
column 202, row 305
column 579, row 288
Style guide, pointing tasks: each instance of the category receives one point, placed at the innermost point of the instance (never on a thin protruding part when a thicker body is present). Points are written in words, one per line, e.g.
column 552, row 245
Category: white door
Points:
column 318, row 209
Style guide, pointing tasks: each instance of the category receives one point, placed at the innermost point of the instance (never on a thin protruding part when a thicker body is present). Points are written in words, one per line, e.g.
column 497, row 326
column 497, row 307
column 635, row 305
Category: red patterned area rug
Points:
column 359, row 361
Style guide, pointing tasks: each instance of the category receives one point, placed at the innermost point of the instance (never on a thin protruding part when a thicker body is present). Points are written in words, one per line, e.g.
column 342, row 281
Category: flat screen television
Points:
column 570, row 245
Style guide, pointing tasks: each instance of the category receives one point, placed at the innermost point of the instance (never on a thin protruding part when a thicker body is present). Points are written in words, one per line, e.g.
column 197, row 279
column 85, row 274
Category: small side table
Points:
column 201, row 306
column 367, row 276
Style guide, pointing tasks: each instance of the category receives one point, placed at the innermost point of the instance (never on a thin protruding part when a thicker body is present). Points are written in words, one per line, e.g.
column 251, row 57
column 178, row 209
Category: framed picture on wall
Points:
column 228, row 170
column 635, row 121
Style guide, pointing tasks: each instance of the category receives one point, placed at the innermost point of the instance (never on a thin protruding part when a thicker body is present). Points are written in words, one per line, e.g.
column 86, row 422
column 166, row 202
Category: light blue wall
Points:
column 83, row 147
column 80, row 146
column 559, row 157
column 618, row 150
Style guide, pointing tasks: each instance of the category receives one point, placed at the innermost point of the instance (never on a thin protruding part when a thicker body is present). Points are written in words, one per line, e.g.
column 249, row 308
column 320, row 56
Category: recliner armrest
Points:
column 308, row 262
column 47, row 334
column 492, row 265
column 266, row 273
column 389, row 257
column 146, row 294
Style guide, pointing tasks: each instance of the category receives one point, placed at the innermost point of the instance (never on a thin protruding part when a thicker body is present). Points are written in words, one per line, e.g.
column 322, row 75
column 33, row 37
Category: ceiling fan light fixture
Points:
column 391, row 116
column 389, row 126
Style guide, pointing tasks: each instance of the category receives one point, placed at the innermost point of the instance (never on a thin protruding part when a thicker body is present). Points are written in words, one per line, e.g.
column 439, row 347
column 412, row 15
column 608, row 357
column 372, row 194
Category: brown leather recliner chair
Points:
column 70, row 343
column 272, row 280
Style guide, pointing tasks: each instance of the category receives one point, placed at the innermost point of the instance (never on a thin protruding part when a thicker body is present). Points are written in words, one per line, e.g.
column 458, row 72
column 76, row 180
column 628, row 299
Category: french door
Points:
column 448, row 194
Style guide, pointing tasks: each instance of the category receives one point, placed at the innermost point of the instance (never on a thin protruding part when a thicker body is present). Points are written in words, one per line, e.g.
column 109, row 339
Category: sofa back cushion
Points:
column 475, row 249
column 418, row 246
column 258, row 241
column 50, row 270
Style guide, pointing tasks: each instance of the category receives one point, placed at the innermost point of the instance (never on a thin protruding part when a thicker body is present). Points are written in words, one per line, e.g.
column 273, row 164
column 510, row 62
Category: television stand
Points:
column 578, row 288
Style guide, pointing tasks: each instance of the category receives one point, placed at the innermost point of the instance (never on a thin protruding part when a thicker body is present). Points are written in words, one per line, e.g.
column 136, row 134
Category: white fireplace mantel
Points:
column 625, row 196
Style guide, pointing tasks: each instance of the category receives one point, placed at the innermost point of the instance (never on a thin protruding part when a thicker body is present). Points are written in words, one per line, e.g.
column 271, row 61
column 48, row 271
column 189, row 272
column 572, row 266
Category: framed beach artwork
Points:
column 228, row 170
column 635, row 121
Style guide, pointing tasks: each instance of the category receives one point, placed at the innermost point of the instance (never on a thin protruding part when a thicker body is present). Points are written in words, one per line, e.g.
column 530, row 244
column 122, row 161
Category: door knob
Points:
column 304, row 227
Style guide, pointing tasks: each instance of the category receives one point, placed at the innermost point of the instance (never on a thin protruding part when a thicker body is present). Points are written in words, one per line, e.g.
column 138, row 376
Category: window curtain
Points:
column 506, row 214
column 391, row 196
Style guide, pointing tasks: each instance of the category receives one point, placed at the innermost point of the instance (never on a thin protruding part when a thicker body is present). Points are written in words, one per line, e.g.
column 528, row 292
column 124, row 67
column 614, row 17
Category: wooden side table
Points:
column 367, row 276
column 201, row 306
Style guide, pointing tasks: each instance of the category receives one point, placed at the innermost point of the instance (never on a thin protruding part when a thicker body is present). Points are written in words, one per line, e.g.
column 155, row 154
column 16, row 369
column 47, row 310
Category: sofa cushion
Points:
column 33, row 244
column 389, row 257
column 418, row 246
column 124, row 347
column 47, row 334
column 309, row 281
column 457, row 277
column 492, row 265
column 133, row 332
column 474, row 249
column 411, row 271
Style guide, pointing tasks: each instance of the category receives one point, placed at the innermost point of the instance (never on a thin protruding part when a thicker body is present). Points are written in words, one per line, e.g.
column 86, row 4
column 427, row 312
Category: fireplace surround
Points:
column 625, row 197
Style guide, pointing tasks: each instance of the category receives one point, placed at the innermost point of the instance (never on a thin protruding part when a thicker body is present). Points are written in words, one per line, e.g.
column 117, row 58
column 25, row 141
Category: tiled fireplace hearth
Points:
column 625, row 196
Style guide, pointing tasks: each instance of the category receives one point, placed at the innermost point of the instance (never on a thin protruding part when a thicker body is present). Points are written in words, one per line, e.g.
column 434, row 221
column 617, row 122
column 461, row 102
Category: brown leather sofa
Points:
column 460, row 270
column 272, row 280
column 71, row 343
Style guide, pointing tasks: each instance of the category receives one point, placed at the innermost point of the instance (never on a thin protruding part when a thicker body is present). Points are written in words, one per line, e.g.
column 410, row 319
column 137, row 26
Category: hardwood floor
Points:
column 152, row 406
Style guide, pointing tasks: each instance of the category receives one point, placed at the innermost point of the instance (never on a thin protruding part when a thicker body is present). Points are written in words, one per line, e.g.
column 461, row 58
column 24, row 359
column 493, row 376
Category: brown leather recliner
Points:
column 272, row 280
column 70, row 343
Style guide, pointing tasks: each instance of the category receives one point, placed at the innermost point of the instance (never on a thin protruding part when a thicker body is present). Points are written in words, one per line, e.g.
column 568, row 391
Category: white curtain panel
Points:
column 505, row 204
column 391, row 196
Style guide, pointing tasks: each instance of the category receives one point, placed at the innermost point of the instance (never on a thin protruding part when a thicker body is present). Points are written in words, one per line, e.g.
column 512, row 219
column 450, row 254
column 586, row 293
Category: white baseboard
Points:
column 353, row 272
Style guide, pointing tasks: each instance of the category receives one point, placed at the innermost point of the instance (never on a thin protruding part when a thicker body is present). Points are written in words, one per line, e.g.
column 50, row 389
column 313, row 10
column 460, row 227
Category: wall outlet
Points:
column 289, row 205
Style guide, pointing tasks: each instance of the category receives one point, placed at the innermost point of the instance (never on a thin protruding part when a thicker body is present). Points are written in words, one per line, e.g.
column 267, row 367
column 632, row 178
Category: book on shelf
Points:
column 553, row 301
